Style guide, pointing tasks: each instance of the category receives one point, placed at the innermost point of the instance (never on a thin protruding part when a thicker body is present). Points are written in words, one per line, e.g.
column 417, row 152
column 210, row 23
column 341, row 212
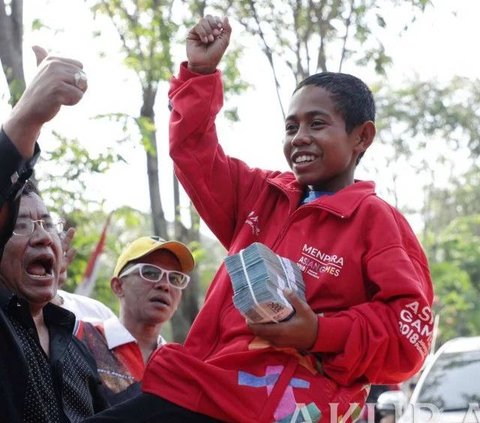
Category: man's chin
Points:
column 42, row 295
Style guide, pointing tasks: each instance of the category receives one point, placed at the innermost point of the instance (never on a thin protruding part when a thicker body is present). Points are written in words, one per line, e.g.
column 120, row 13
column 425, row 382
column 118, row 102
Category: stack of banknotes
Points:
column 259, row 277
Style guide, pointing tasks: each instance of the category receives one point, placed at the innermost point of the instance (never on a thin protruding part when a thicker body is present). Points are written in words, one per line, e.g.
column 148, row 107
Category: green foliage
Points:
column 456, row 301
column 208, row 258
column 452, row 240
column 37, row 25
column 309, row 37
column 149, row 32
column 300, row 38
column 432, row 128
column 459, row 244
column 233, row 84
column 422, row 111
column 378, row 57
column 126, row 224
column 74, row 164
column 147, row 128
column 16, row 88
column 64, row 187
column 146, row 30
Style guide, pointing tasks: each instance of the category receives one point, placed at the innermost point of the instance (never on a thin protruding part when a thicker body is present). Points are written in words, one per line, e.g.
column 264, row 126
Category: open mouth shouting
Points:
column 41, row 267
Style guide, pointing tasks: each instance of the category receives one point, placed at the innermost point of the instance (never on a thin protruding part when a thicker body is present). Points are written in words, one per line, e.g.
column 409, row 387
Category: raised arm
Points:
column 59, row 81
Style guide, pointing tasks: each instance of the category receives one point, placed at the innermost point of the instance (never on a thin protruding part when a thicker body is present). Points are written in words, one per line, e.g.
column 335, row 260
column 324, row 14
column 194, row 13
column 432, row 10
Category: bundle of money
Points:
column 259, row 277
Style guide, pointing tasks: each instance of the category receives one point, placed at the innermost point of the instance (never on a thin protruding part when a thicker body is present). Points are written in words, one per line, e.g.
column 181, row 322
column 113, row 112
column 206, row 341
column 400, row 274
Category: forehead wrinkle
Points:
column 33, row 205
column 45, row 215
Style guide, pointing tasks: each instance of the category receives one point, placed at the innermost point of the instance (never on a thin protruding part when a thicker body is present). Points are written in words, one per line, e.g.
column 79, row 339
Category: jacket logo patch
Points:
column 416, row 324
column 252, row 221
column 314, row 261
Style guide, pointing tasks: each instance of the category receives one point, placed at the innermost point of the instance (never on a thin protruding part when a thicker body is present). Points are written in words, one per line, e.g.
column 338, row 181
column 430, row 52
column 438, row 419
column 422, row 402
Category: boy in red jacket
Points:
column 367, row 318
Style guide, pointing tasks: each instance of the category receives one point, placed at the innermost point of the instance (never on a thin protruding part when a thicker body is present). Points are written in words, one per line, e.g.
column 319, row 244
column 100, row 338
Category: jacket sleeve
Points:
column 215, row 182
column 386, row 339
column 14, row 171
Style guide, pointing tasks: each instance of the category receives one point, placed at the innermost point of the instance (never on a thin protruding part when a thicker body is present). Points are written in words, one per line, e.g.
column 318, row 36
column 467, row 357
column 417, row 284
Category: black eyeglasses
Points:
column 26, row 227
column 154, row 274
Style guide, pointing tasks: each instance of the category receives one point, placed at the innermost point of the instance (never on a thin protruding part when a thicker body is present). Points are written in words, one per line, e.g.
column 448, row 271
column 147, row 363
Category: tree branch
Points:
column 268, row 53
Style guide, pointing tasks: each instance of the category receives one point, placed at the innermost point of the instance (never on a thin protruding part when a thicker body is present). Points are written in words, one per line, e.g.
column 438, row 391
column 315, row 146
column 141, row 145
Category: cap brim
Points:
column 181, row 251
column 146, row 245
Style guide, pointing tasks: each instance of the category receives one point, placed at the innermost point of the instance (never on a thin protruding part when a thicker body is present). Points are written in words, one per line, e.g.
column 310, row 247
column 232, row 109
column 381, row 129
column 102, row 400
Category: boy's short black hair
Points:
column 352, row 98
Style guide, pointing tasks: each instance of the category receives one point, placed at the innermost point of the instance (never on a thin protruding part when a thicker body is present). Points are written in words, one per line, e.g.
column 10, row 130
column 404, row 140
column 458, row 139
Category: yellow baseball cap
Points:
column 146, row 244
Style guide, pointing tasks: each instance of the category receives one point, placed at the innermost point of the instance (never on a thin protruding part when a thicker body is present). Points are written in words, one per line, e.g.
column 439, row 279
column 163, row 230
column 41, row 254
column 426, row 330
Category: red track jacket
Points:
column 365, row 274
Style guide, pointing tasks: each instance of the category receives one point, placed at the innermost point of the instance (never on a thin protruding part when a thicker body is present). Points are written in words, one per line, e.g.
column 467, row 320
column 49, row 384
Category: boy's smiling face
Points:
column 317, row 146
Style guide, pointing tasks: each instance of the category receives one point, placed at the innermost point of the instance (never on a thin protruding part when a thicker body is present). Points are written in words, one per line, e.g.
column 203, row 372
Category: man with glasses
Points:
column 50, row 375
column 148, row 280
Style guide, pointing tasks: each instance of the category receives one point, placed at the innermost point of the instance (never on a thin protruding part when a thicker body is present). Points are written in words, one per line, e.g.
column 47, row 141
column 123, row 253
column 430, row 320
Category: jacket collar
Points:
column 6, row 296
column 343, row 203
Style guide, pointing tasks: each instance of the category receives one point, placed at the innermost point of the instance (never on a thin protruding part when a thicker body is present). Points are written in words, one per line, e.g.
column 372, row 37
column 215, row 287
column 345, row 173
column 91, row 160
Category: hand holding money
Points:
column 300, row 331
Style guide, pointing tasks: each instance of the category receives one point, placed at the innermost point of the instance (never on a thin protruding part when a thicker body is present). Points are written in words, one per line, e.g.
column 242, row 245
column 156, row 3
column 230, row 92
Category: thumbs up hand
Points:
column 40, row 54
column 59, row 81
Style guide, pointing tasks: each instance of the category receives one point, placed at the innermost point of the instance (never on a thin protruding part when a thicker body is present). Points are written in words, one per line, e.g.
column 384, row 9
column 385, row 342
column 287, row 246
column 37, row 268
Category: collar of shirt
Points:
column 53, row 315
column 116, row 334
column 311, row 195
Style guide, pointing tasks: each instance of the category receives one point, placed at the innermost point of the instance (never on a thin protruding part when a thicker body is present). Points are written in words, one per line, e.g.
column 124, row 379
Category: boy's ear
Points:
column 365, row 135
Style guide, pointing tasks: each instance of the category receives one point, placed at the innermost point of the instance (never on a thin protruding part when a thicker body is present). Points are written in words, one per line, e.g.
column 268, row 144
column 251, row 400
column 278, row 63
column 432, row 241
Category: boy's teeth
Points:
column 302, row 159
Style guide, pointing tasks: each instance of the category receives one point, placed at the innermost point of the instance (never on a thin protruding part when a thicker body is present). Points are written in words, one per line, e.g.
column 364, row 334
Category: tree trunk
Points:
column 11, row 51
column 158, row 217
column 188, row 308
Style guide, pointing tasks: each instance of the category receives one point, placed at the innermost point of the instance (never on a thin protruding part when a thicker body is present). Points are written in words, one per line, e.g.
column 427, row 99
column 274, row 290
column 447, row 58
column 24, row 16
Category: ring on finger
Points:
column 81, row 80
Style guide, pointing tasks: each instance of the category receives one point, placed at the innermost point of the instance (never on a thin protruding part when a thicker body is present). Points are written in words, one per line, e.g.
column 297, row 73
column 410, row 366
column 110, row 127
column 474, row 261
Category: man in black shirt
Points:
column 50, row 375
column 45, row 373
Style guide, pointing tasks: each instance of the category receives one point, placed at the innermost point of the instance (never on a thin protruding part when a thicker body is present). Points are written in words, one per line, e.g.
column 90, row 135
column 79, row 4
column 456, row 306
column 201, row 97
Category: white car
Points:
column 448, row 391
